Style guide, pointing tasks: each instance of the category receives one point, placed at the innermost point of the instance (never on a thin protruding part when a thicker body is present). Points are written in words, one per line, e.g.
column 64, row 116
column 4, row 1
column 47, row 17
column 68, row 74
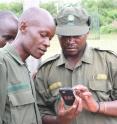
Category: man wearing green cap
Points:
column 91, row 72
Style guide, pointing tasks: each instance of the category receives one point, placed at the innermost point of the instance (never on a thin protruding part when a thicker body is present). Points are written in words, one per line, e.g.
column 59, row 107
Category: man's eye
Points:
column 43, row 34
column 46, row 35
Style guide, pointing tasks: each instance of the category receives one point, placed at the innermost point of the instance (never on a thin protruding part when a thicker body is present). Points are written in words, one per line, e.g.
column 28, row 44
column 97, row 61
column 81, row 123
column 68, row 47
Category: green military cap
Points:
column 72, row 21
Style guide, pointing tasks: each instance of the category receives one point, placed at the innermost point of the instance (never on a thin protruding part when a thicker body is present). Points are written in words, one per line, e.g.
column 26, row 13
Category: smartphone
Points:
column 67, row 95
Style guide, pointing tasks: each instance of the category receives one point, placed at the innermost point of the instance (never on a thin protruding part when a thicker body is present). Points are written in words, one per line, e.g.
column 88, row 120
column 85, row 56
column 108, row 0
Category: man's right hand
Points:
column 66, row 115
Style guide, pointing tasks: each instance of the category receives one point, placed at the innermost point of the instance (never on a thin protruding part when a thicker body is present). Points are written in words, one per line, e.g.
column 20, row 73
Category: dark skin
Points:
column 8, row 27
column 34, row 35
column 64, row 116
column 89, row 103
column 73, row 49
column 36, row 27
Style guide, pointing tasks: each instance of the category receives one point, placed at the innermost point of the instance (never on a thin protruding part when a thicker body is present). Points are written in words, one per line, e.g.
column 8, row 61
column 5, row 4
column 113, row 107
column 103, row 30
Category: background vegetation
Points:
column 106, row 10
column 103, row 13
column 15, row 7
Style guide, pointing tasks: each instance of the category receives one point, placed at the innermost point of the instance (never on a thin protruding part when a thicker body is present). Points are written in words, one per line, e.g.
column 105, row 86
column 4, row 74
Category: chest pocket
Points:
column 101, row 89
column 21, row 98
column 100, row 85
column 20, row 94
column 22, row 108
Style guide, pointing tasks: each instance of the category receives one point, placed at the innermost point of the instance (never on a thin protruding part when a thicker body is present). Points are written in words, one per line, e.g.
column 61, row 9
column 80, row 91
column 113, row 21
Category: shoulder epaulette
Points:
column 106, row 50
column 49, row 59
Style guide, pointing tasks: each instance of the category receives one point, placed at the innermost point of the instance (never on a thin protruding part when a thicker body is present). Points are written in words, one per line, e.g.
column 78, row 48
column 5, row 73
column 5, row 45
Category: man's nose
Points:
column 47, row 42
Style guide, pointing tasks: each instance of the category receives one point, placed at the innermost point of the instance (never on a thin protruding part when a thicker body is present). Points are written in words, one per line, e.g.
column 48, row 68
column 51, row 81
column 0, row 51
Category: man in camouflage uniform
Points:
column 91, row 72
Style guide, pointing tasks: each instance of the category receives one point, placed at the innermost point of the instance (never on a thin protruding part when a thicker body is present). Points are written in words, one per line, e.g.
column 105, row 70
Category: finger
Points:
column 87, row 95
column 80, row 89
column 79, row 107
column 61, row 107
column 79, row 104
column 78, row 86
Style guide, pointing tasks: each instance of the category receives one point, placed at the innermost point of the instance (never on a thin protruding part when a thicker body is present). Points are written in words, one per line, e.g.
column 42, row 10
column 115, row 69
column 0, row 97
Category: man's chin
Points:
column 70, row 53
column 37, row 56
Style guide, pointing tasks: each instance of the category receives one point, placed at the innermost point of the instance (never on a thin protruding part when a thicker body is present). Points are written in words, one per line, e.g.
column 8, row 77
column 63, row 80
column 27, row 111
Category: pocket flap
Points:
column 21, row 98
column 100, row 85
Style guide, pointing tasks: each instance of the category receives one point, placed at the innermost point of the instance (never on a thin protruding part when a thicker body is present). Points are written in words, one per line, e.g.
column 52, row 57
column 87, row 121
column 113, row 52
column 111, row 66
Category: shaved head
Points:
column 8, row 27
column 32, row 15
column 7, row 21
column 36, row 28
column 7, row 14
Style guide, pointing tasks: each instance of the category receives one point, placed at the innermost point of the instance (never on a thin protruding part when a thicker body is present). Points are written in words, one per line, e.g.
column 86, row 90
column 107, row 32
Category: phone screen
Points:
column 67, row 95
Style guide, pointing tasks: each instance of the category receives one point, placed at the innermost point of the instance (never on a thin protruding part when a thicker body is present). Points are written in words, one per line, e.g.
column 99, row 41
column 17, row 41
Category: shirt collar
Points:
column 62, row 60
column 12, row 52
column 87, row 57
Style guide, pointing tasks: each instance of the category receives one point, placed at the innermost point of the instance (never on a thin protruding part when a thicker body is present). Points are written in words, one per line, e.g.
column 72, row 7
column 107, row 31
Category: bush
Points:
column 15, row 7
column 50, row 6
column 108, row 29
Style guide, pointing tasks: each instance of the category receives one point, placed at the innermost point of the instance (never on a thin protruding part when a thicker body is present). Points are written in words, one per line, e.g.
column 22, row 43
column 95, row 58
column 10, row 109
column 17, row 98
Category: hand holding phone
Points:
column 67, row 95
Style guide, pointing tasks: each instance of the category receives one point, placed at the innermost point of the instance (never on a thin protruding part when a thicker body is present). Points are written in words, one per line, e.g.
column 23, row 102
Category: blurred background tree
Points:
column 103, row 12
column 107, row 12
column 50, row 6
column 15, row 7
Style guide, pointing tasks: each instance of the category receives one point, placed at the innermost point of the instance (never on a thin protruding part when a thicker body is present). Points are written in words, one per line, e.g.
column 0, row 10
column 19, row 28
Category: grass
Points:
column 108, row 41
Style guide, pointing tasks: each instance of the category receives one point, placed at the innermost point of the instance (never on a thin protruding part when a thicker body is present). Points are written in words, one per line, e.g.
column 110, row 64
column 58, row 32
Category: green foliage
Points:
column 107, row 4
column 107, row 10
column 90, row 5
column 50, row 6
column 17, row 8
column 108, row 29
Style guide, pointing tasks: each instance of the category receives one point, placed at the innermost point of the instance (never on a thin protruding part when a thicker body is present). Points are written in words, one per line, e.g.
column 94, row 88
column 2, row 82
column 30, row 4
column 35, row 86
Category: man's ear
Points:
column 23, row 26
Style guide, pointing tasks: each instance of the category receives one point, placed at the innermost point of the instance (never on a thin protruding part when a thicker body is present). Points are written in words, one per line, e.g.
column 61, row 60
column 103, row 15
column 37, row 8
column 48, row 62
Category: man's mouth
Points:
column 71, row 47
column 44, row 50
